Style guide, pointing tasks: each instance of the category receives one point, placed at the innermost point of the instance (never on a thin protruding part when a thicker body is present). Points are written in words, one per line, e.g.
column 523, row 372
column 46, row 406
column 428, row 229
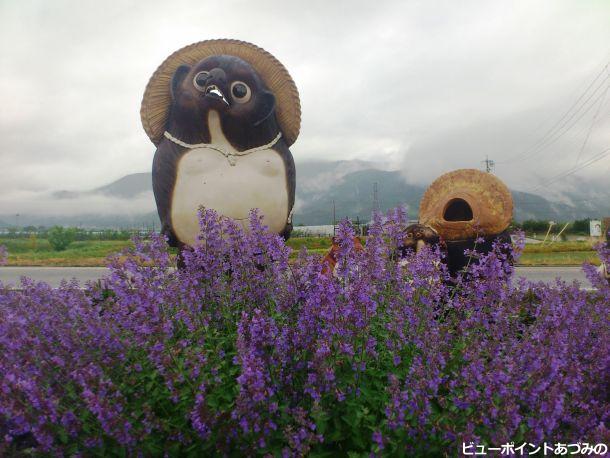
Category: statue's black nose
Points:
column 216, row 76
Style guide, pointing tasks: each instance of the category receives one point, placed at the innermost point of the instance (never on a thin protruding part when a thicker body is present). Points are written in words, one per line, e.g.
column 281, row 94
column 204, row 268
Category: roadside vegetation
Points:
column 90, row 253
column 32, row 246
column 94, row 253
column 559, row 254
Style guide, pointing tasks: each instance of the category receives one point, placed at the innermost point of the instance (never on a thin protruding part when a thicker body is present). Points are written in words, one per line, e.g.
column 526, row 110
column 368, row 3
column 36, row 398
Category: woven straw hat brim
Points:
column 489, row 198
column 157, row 99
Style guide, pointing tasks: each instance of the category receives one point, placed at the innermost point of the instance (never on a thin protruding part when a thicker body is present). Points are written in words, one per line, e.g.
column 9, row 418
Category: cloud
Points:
column 425, row 86
column 44, row 204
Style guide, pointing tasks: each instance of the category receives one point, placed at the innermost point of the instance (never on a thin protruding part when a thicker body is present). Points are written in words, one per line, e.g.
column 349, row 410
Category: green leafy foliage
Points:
column 61, row 237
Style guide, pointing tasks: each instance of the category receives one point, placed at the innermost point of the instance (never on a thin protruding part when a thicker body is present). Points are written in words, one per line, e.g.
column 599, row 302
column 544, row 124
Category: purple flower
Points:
column 378, row 439
column 246, row 351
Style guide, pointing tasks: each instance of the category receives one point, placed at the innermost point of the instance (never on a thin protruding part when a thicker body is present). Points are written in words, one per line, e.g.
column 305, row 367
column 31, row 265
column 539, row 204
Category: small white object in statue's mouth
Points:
column 215, row 91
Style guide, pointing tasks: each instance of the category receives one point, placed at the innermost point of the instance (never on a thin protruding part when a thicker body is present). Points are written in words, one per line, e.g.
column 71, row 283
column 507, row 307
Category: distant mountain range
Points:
column 353, row 197
column 126, row 187
column 348, row 184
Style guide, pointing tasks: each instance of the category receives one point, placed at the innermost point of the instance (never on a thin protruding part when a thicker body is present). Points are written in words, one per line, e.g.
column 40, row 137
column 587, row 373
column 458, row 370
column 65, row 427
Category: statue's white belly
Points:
column 205, row 178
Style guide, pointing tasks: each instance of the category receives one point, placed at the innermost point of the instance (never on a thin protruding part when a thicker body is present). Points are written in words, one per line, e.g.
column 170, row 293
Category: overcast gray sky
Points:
column 424, row 86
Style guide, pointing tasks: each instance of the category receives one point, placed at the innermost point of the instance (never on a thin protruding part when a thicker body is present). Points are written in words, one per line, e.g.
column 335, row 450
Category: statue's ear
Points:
column 267, row 107
column 179, row 75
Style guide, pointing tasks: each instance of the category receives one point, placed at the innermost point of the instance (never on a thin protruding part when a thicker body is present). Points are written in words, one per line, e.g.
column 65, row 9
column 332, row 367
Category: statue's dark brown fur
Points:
column 454, row 251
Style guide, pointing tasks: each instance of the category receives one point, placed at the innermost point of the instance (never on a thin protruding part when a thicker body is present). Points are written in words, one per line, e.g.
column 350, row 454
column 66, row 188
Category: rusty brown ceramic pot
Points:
column 466, row 203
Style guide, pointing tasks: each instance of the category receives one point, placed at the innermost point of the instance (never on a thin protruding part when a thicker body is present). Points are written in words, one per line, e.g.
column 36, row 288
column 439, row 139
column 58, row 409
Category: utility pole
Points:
column 375, row 198
column 334, row 219
column 489, row 164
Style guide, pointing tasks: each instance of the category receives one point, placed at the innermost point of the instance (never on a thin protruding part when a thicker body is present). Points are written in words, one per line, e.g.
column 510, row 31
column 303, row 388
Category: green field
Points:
column 559, row 254
column 29, row 252
column 559, row 247
column 557, row 258
column 90, row 253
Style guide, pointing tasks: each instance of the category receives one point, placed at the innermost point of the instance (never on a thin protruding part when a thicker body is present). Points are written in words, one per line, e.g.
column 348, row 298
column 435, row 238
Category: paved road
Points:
column 54, row 275
column 548, row 274
column 51, row 275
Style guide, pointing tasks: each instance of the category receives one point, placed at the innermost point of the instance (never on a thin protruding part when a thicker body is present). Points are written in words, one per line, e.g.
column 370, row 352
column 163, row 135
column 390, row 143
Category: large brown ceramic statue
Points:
column 458, row 208
column 222, row 114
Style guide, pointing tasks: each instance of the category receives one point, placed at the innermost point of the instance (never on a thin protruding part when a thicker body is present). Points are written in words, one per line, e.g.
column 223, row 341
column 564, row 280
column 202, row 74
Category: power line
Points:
column 573, row 170
column 593, row 121
column 560, row 133
column 561, row 123
column 547, row 139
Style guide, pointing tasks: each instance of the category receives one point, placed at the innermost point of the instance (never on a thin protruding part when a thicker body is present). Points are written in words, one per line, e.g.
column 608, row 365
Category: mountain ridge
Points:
column 345, row 185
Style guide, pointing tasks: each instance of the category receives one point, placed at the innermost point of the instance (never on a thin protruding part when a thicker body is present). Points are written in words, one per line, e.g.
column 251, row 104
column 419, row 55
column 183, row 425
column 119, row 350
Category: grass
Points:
column 558, row 254
column 93, row 253
column 556, row 258
column 559, row 247
column 312, row 243
column 90, row 253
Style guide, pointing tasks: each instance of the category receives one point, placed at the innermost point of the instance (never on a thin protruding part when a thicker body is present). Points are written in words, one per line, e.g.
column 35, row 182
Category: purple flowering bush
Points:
column 242, row 352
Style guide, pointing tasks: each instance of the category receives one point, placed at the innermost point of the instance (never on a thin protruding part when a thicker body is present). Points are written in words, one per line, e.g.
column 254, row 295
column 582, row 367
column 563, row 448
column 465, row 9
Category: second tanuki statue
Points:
column 222, row 114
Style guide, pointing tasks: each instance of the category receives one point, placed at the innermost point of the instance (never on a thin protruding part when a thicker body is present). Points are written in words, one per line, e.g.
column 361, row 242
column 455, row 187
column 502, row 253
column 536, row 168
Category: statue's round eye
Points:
column 200, row 79
column 240, row 91
column 410, row 235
